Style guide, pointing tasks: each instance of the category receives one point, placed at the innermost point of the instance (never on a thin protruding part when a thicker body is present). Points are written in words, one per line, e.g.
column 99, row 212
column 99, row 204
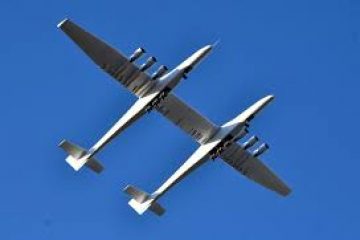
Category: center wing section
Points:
column 107, row 58
column 254, row 169
column 187, row 119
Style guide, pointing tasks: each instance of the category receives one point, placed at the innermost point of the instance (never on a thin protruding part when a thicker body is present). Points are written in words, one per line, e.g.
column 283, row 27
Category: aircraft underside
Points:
column 155, row 93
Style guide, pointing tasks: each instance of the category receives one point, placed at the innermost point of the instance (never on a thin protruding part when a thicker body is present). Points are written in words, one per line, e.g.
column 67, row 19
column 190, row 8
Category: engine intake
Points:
column 260, row 150
column 160, row 72
column 138, row 53
column 149, row 62
column 250, row 142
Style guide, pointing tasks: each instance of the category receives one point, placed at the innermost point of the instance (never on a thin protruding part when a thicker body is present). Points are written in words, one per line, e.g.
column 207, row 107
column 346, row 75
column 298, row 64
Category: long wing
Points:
column 254, row 169
column 187, row 119
column 107, row 58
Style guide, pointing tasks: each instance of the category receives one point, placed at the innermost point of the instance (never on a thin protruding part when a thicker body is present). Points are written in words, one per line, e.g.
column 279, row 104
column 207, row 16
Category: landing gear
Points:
column 216, row 152
column 221, row 147
column 157, row 100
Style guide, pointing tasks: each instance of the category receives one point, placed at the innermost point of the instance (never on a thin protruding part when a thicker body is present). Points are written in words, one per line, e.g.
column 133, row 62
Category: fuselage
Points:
column 225, row 136
column 169, row 81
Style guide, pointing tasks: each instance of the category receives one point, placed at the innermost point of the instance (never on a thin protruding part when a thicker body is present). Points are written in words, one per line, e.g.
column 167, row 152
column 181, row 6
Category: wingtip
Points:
column 60, row 24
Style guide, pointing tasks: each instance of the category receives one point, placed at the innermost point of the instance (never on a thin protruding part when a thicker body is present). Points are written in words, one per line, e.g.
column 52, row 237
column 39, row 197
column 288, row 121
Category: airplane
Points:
column 154, row 92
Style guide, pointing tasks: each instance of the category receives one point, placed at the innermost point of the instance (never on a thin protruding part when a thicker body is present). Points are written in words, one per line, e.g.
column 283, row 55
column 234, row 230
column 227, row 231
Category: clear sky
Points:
column 305, row 52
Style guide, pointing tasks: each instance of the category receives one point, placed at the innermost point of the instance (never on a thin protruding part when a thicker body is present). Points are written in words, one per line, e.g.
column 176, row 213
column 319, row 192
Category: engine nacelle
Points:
column 138, row 53
column 160, row 72
column 149, row 62
column 242, row 134
column 260, row 150
column 250, row 142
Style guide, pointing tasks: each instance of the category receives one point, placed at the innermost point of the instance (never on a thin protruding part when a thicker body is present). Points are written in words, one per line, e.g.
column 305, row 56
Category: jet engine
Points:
column 138, row 53
column 237, row 137
column 160, row 72
column 149, row 62
column 260, row 150
column 250, row 142
column 242, row 134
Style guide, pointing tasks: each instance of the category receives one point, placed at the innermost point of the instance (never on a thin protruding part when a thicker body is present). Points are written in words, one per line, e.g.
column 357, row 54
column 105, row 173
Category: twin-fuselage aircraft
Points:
column 155, row 92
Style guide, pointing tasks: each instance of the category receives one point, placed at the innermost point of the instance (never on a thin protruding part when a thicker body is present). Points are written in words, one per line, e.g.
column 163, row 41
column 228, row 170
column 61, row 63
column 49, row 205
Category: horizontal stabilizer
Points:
column 137, row 194
column 157, row 208
column 77, row 157
column 94, row 165
column 72, row 149
column 142, row 201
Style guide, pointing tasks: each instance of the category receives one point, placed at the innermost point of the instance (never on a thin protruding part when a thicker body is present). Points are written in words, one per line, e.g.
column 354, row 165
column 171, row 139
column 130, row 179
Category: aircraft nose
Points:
column 202, row 52
column 194, row 59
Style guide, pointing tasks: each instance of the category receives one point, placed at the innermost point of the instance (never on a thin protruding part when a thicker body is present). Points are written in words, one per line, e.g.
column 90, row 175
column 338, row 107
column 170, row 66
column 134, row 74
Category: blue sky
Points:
column 304, row 52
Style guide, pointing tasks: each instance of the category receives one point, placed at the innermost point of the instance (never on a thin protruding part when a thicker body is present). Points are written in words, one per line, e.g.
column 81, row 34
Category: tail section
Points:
column 142, row 201
column 77, row 157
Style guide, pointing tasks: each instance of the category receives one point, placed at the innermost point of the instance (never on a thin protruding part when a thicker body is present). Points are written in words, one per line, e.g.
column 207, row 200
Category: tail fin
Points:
column 142, row 201
column 76, row 157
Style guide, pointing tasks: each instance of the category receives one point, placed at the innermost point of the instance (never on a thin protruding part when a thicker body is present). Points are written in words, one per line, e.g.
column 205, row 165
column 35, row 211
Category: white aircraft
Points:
column 155, row 92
